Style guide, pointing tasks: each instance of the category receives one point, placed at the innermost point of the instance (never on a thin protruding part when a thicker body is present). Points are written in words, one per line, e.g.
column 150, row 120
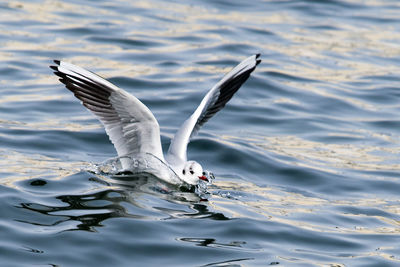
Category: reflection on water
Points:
column 94, row 198
column 87, row 211
column 331, row 157
column 334, row 155
column 21, row 167
column 232, row 263
column 306, row 155
column 210, row 242
column 78, row 209
column 299, row 210
column 89, row 204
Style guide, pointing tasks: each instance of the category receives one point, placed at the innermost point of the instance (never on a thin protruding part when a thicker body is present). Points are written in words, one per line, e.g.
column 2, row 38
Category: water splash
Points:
column 145, row 165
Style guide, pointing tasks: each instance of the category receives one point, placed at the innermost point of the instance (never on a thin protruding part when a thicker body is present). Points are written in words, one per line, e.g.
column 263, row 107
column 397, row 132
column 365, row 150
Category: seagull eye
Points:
column 204, row 173
column 183, row 171
column 191, row 172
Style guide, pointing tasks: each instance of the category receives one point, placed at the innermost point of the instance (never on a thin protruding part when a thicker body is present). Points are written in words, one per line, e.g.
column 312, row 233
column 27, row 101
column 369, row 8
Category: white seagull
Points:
column 134, row 130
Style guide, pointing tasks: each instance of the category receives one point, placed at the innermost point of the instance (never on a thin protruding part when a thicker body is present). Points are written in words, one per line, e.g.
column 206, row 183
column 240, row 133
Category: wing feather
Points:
column 129, row 124
column 213, row 102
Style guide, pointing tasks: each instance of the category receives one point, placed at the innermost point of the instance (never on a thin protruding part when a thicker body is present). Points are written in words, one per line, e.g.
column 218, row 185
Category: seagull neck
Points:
column 174, row 160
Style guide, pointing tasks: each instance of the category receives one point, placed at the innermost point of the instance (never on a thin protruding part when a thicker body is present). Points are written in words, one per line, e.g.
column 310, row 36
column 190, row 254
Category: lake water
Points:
column 305, row 155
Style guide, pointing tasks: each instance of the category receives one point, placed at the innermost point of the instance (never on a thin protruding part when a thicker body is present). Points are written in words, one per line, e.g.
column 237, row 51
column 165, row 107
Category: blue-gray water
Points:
column 306, row 154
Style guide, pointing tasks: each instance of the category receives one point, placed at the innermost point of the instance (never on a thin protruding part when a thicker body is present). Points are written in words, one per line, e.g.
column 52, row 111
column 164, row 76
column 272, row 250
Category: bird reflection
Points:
column 90, row 217
column 109, row 199
column 203, row 212
column 211, row 242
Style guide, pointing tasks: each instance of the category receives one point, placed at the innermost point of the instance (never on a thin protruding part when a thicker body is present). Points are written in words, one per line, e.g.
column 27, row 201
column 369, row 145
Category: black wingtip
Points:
column 258, row 61
column 53, row 67
column 57, row 61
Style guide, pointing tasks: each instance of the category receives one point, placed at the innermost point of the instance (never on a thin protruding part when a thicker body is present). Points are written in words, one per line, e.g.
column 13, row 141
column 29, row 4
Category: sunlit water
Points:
column 306, row 155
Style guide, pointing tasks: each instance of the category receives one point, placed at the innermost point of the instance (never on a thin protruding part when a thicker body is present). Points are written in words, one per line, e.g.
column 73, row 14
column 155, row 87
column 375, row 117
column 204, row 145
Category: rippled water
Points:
column 306, row 155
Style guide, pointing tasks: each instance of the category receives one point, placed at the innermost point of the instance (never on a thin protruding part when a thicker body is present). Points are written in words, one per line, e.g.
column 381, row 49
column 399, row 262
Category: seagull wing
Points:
column 213, row 102
column 129, row 124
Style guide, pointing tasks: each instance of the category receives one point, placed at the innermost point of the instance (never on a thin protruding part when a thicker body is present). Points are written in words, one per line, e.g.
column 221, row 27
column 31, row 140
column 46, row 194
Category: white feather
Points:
column 129, row 124
column 177, row 150
column 132, row 127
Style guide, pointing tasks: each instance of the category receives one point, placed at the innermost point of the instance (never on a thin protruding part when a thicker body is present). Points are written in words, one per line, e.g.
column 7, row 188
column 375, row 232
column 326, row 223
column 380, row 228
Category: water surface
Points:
column 306, row 155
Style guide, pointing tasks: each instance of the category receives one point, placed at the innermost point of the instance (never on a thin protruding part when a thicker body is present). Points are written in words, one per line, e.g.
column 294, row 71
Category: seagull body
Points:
column 132, row 127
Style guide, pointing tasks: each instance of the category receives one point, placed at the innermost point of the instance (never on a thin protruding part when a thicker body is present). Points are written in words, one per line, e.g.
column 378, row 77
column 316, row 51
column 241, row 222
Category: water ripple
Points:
column 306, row 155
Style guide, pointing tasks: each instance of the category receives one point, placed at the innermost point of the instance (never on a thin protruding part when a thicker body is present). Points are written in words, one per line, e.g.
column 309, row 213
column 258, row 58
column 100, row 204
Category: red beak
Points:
column 203, row 178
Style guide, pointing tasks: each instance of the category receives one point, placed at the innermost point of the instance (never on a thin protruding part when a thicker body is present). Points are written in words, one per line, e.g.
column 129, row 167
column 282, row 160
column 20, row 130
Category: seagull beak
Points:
column 203, row 178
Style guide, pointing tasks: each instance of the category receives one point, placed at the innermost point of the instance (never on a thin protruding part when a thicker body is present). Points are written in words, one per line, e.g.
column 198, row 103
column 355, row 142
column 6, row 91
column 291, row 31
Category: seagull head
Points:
column 193, row 172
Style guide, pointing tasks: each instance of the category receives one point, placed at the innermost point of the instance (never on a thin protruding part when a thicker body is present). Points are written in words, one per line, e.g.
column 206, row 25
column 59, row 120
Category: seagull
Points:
column 132, row 127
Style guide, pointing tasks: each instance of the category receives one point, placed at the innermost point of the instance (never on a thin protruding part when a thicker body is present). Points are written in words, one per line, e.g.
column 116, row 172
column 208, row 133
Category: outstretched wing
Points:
column 213, row 102
column 129, row 124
